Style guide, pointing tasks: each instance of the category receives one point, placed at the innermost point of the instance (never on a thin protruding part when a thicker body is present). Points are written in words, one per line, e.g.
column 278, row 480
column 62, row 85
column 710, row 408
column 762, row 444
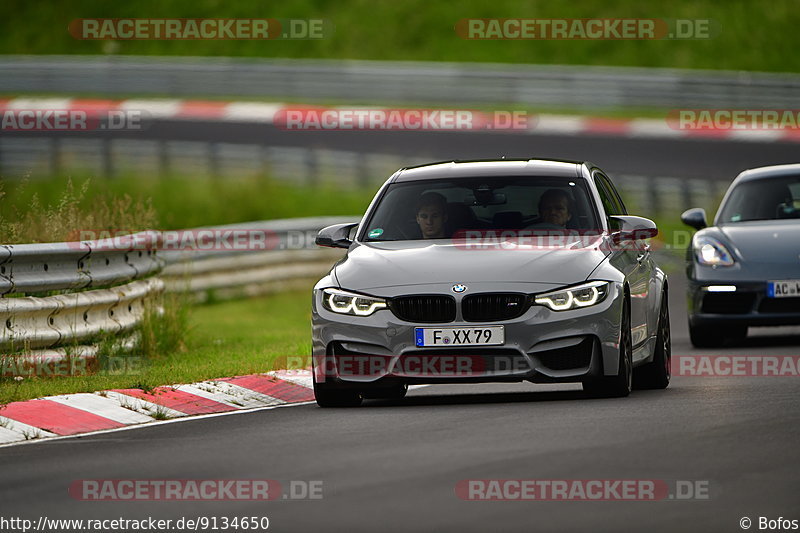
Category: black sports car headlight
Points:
column 577, row 297
column 348, row 303
column 709, row 251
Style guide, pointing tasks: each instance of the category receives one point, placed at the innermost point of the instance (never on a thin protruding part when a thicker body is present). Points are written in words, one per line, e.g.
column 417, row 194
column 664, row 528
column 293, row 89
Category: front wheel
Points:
column 656, row 375
column 329, row 395
column 620, row 385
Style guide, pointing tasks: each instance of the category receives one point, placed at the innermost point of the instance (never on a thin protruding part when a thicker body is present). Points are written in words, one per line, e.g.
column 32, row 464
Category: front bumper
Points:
column 748, row 305
column 541, row 346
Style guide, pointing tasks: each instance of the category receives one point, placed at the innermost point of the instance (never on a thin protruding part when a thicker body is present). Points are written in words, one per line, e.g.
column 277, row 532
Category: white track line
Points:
column 208, row 391
column 756, row 135
column 41, row 103
column 298, row 377
column 9, row 435
column 559, row 124
column 143, row 406
column 239, row 395
column 648, row 127
column 100, row 406
column 251, row 112
column 151, row 424
column 154, row 108
column 21, row 429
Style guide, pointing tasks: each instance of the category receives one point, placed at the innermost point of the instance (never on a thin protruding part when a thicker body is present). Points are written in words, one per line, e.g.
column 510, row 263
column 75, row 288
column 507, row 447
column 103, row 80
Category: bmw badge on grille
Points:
column 458, row 287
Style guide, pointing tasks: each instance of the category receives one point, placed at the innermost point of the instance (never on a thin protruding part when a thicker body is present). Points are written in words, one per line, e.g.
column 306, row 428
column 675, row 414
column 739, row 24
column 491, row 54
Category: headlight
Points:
column 709, row 251
column 347, row 303
column 583, row 295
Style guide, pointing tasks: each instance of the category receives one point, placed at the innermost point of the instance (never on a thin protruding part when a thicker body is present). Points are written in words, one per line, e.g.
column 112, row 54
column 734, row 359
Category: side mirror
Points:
column 695, row 217
column 633, row 228
column 336, row 236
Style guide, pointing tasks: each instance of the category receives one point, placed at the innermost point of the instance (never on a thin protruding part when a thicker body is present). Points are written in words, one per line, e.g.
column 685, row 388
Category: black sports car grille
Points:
column 424, row 308
column 779, row 305
column 491, row 307
column 728, row 303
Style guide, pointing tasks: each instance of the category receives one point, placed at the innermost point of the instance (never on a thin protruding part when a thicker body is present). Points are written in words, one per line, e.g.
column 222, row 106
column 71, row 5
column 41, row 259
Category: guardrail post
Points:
column 652, row 196
column 55, row 156
column 362, row 170
column 213, row 160
column 108, row 163
column 163, row 159
column 686, row 194
column 312, row 167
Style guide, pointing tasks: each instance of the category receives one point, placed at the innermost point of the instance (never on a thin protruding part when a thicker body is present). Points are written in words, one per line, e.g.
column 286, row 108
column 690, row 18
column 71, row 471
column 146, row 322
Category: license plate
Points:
column 787, row 288
column 474, row 336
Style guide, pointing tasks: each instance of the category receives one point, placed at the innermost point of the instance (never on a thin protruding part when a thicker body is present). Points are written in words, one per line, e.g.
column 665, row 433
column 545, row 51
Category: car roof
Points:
column 498, row 167
column 774, row 171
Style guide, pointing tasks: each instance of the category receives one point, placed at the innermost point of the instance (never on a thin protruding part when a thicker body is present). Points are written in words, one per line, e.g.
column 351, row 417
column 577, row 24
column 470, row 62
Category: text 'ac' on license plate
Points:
column 783, row 289
column 472, row 336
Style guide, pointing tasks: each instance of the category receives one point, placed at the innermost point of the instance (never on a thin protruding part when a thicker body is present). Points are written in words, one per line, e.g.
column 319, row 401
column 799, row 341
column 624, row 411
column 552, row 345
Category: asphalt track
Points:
column 394, row 466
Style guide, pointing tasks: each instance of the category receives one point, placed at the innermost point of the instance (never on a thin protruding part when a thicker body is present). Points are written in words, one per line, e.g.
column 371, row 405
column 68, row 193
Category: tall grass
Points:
column 52, row 209
column 32, row 212
column 164, row 327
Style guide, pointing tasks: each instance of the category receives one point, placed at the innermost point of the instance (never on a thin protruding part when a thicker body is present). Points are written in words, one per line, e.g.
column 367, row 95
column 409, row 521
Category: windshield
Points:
column 440, row 209
column 764, row 199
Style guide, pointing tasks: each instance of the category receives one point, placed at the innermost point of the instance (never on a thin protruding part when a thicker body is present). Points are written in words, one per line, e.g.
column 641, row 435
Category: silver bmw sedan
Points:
column 491, row 271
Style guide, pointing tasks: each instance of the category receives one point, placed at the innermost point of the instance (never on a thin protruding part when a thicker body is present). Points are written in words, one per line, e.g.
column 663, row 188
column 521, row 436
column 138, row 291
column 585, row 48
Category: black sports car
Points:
column 745, row 269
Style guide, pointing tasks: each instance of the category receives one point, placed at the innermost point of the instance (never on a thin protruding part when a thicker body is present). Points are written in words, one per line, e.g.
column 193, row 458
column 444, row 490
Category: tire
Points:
column 618, row 386
column 656, row 374
column 715, row 336
column 329, row 395
column 394, row 392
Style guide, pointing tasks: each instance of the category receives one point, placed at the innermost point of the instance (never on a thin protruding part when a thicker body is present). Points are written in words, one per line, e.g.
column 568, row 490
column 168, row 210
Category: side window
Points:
column 617, row 199
column 608, row 196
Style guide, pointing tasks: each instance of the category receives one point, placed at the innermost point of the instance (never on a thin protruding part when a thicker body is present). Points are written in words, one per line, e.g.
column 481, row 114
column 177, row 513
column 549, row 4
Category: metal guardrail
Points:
column 398, row 81
column 111, row 269
column 32, row 268
column 36, row 324
column 32, row 322
column 279, row 234
column 292, row 260
column 248, row 275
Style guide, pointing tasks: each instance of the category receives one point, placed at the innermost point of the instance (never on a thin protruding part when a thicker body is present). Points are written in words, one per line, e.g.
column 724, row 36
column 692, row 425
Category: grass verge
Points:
column 225, row 339
column 748, row 35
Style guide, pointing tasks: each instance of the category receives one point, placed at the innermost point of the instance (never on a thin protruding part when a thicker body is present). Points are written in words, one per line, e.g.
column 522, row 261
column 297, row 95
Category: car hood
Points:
column 376, row 265
column 764, row 241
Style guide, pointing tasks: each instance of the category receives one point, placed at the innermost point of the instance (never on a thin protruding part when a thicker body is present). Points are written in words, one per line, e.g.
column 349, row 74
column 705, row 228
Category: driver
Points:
column 431, row 215
column 555, row 209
